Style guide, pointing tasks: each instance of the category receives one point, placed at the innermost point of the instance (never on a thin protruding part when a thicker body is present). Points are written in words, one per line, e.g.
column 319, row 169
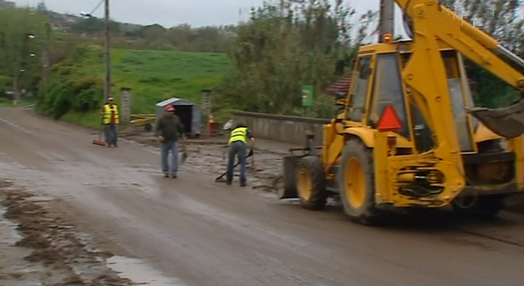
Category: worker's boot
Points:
column 174, row 176
column 166, row 175
column 243, row 184
column 228, row 182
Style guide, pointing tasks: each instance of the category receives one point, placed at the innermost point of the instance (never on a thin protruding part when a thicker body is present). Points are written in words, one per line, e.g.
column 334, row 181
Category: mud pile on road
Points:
column 262, row 169
column 48, row 250
column 210, row 155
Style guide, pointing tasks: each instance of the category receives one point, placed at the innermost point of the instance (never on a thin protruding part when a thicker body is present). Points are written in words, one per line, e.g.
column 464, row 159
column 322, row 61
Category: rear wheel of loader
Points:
column 311, row 183
column 477, row 206
column 357, row 183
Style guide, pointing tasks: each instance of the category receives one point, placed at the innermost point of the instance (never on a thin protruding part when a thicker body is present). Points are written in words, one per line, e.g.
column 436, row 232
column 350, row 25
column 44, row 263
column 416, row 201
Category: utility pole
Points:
column 387, row 19
column 107, row 58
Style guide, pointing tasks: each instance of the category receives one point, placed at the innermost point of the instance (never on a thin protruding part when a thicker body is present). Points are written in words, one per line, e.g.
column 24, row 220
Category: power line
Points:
column 97, row 6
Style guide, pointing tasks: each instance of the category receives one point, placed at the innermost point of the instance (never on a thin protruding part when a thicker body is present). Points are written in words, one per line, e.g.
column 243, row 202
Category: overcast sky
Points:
column 172, row 12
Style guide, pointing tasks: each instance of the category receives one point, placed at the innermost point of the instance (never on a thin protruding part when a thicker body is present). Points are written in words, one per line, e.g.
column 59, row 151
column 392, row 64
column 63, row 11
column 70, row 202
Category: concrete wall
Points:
column 289, row 129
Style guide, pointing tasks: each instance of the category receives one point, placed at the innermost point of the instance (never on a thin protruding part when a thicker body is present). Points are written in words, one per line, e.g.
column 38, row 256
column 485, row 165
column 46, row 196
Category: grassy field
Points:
column 153, row 76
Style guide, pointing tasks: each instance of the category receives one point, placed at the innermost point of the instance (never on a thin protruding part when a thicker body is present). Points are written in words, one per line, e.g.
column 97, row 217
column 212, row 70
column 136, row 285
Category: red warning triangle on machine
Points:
column 389, row 120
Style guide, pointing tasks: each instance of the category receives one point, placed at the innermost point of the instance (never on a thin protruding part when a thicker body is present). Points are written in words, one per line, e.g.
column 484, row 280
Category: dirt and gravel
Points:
column 39, row 247
column 108, row 214
column 264, row 168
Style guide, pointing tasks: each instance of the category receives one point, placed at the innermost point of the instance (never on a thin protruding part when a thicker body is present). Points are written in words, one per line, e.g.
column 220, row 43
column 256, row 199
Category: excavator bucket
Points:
column 505, row 121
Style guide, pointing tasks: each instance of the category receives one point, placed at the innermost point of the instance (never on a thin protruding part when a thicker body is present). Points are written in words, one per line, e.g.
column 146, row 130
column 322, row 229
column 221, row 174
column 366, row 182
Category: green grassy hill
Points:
column 76, row 85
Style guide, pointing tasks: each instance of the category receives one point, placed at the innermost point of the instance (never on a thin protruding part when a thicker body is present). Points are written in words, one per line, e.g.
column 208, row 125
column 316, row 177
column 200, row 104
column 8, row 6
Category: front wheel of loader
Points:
column 311, row 183
column 357, row 183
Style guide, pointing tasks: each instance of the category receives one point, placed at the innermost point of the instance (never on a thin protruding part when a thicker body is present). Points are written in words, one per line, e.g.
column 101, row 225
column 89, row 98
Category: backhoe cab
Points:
column 410, row 136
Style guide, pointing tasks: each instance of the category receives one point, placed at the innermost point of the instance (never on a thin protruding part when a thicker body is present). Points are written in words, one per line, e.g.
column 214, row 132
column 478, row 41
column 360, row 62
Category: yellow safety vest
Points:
column 238, row 134
column 107, row 113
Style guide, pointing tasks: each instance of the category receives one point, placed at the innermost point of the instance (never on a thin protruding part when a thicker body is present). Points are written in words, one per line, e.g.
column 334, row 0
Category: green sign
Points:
column 307, row 95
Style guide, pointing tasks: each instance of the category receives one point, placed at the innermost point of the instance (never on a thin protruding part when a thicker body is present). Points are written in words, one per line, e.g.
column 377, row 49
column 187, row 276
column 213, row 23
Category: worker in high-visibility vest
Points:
column 238, row 143
column 110, row 120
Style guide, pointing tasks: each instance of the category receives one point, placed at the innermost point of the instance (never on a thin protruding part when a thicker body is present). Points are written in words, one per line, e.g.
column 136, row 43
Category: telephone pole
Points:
column 386, row 19
column 107, row 53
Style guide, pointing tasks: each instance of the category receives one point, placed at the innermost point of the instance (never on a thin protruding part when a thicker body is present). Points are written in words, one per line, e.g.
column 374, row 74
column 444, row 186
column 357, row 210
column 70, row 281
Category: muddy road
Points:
column 192, row 231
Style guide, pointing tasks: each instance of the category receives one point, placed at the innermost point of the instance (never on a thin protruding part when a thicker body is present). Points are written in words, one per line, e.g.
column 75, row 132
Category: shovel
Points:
column 99, row 142
column 183, row 155
column 220, row 179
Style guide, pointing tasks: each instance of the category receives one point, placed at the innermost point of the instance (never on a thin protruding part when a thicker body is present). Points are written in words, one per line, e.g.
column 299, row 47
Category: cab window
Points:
column 389, row 91
column 360, row 88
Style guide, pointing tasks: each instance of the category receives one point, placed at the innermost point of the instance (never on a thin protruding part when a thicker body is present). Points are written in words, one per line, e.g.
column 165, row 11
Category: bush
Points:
column 87, row 93
column 70, row 91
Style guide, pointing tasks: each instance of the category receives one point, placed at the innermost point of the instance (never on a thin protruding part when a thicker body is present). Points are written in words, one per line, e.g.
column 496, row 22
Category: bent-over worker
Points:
column 110, row 120
column 238, row 148
column 168, row 131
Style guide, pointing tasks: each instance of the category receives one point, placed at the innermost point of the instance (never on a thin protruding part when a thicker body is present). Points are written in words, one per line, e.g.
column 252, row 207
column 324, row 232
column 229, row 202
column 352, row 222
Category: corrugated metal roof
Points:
column 341, row 86
column 174, row 101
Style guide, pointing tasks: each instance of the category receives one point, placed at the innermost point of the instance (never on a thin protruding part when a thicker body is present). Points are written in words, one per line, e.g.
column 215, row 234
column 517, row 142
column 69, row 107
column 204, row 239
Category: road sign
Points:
column 307, row 95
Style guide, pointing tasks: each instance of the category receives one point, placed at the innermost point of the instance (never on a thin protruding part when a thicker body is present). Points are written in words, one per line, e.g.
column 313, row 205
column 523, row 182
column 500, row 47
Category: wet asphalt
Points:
column 203, row 233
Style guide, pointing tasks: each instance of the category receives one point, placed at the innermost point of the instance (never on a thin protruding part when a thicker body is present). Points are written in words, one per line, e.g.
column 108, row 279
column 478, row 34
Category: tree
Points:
column 41, row 7
column 22, row 36
column 500, row 19
column 94, row 26
column 286, row 45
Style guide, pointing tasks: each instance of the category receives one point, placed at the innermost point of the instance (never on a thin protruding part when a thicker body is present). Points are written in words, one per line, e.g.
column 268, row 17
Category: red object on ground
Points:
column 99, row 143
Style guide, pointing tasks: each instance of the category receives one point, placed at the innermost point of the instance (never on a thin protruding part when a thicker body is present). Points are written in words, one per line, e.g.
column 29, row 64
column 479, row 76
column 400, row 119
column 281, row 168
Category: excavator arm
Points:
column 430, row 17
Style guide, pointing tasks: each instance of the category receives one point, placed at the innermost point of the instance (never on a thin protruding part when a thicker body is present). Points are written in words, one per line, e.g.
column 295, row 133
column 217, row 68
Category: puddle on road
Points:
column 139, row 272
column 8, row 230
column 13, row 270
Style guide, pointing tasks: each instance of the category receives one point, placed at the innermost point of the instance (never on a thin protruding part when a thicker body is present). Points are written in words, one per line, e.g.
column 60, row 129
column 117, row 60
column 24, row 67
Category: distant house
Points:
column 340, row 86
column 7, row 4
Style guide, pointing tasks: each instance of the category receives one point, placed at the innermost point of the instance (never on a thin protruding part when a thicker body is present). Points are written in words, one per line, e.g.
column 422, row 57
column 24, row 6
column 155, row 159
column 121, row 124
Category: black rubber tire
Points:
column 484, row 208
column 319, row 194
column 367, row 214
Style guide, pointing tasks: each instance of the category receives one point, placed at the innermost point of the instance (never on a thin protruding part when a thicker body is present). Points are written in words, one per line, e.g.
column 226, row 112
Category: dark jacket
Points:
column 170, row 128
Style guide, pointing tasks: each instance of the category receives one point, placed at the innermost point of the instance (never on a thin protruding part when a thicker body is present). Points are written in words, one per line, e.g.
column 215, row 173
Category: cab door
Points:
column 389, row 91
column 360, row 89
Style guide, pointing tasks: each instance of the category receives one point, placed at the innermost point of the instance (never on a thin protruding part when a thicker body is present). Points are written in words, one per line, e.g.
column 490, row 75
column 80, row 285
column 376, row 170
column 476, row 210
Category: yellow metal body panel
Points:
column 484, row 134
column 142, row 121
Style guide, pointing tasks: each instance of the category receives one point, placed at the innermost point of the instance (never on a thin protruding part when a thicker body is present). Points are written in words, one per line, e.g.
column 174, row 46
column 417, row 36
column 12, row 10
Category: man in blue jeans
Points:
column 110, row 119
column 168, row 130
column 238, row 148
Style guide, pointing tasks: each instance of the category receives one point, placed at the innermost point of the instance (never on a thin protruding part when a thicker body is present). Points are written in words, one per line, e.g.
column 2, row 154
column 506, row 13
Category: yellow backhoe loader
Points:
column 409, row 135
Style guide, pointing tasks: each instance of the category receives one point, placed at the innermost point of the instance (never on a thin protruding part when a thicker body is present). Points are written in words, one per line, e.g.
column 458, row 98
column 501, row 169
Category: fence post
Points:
column 126, row 105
